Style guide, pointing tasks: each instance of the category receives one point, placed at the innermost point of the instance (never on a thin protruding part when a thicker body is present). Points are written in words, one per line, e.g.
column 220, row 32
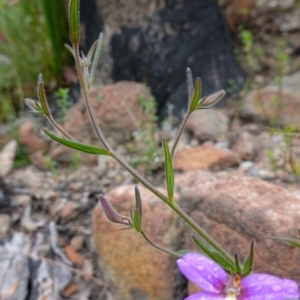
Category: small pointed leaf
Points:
column 214, row 254
column 180, row 253
column 74, row 22
column 286, row 240
column 71, row 50
column 237, row 265
column 78, row 146
column 169, row 171
column 196, row 95
column 137, row 221
column 211, row 100
column 34, row 106
column 43, row 99
column 138, row 200
column 190, row 84
column 248, row 266
column 92, row 51
column 96, row 58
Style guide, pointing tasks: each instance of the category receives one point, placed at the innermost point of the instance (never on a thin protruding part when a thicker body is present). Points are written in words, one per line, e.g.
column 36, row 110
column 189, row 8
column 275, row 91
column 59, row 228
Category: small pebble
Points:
column 4, row 223
column 77, row 242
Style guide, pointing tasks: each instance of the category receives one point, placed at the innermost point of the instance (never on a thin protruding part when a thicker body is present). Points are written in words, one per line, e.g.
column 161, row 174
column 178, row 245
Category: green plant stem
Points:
column 87, row 100
column 59, row 128
column 133, row 172
column 173, row 253
column 191, row 223
column 180, row 131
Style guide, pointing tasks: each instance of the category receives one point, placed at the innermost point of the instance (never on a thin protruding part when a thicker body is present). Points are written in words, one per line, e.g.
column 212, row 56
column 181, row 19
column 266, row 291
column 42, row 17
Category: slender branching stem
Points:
column 133, row 172
column 173, row 253
column 180, row 131
column 86, row 97
column 101, row 136
column 59, row 128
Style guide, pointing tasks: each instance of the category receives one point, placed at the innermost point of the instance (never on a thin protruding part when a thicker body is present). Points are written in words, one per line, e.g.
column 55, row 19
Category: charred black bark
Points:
column 157, row 49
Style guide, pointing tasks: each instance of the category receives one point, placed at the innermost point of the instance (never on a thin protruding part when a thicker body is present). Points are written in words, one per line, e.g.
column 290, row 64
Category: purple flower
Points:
column 216, row 284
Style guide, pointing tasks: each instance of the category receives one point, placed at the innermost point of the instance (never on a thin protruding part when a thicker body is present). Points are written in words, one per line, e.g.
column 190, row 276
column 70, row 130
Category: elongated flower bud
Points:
column 111, row 214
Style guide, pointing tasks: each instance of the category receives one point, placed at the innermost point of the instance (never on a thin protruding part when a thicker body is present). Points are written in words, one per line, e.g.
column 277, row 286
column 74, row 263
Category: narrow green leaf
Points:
column 138, row 200
column 137, row 221
column 237, row 265
column 248, row 266
column 286, row 240
column 169, row 171
column 74, row 22
column 214, row 254
column 96, row 58
column 43, row 99
column 196, row 96
column 78, row 146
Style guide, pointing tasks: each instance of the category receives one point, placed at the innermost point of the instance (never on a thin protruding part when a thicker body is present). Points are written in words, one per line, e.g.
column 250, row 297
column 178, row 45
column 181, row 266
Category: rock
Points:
column 30, row 138
column 205, row 157
column 236, row 209
column 38, row 159
column 262, row 105
column 21, row 200
column 7, row 155
column 245, row 146
column 76, row 186
column 118, row 111
column 69, row 212
column 77, row 242
column 246, row 165
column 4, row 223
column 51, row 196
column 209, row 124
column 133, row 269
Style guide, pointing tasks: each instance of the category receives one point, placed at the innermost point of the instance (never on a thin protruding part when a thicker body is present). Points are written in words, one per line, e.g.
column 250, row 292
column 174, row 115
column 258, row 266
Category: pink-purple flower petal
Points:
column 205, row 296
column 204, row 272
column 264, row 286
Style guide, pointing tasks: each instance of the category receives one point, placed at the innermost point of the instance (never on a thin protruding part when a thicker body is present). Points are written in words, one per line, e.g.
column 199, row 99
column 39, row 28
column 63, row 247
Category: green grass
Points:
column 32, row 34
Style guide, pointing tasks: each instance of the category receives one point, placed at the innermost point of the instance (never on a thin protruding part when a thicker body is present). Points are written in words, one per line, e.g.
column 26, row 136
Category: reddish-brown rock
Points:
column 118, row 112
column 205, row 157
column 268, row 104
column 134, row 269
column 236, row 209
column 117, row 108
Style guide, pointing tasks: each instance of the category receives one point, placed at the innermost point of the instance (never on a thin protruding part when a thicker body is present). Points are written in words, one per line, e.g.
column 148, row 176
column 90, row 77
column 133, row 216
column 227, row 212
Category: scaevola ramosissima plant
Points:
column 219, row 274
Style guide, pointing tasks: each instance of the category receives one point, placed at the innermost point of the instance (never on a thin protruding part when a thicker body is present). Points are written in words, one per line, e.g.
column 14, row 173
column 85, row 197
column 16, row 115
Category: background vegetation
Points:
column 32, row 37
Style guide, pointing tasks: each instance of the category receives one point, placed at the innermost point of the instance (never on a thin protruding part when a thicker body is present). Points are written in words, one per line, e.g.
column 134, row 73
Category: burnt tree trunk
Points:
column 154, row 41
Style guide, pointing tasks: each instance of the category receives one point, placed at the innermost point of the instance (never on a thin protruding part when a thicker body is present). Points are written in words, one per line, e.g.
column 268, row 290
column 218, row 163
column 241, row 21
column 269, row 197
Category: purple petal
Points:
column 203, row 271
column 205, row 296
column 261, row 286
